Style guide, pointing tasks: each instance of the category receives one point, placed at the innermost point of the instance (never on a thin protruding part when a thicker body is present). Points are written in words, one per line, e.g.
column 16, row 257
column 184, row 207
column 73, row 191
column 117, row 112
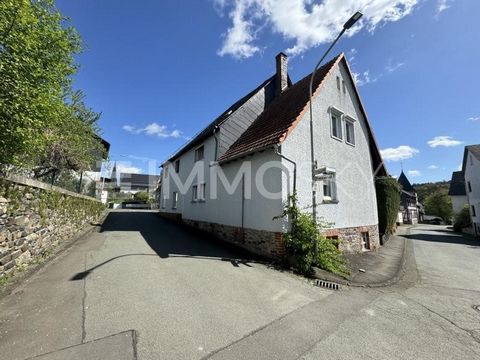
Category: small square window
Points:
column 350, row 132
column 199, row 153
column 336, row 126
column 365, row 240
column 177, row 166
column 329, row 188
column 174, row 200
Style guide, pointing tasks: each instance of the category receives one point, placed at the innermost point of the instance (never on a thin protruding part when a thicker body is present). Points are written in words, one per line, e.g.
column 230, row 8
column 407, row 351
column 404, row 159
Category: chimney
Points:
column 282, row 74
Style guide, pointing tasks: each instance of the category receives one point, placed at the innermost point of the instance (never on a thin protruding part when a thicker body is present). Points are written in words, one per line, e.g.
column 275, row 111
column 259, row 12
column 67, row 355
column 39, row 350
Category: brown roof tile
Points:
column 274, row 124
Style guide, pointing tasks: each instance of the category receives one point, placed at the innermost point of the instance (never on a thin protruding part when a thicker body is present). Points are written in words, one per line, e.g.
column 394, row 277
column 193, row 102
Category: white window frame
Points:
column 201, row 194
column 197, row 158
column 349, row 121
column 174, row 200
column 329, row 181
column 338, row 114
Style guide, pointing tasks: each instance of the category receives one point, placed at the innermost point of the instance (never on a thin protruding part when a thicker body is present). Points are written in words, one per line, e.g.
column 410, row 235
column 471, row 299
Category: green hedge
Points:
column 388, row 203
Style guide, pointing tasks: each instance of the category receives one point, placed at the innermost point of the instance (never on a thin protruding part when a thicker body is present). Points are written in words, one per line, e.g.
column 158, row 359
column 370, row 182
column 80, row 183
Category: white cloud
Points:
column 445, row 141
column 474, row 118
column 127, row 169
column 402, row 152
column 443, row 5
column 433, row 167
column 414, row 173
column 305, row 23
column 394, row 67
column 154, row 129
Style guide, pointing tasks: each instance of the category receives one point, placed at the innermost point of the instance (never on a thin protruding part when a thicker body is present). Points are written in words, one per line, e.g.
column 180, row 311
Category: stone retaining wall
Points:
column 35, row 217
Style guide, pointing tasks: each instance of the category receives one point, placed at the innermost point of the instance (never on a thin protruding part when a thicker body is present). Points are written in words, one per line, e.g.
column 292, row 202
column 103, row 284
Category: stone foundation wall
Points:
column 36, row 217
column 265, row 243
column 351, row 239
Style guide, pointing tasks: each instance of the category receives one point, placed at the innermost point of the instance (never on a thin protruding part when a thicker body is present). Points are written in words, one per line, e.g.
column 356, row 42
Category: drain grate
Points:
column 476, row 307
column 327, row 285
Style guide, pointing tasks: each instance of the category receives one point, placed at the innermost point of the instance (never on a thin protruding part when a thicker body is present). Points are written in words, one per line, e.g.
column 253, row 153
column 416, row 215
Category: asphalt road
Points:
column 186, row 297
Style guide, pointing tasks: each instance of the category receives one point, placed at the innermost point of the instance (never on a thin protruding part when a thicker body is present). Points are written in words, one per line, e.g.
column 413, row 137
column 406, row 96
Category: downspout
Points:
column 215, row 129
column 294, row 168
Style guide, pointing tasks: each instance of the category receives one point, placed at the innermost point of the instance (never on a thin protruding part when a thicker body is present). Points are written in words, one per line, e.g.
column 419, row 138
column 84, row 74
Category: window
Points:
column 164, row 202
column 194, row 193
column 366, row 240
column 177, row 166
column 350, row 132
column 336, row 126
column 469, row 186
column 199, row 153
column 202, row 191
column 329, row 188
column 473, row 211
column 175, row 200
column 344, row 87
column 338, row 83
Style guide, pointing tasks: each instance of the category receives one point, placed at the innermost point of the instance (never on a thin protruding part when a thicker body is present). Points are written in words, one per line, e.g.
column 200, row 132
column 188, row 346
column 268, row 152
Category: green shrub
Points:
column 388, row 203
column 462, row 219
column 141, row 196
column 308, row 248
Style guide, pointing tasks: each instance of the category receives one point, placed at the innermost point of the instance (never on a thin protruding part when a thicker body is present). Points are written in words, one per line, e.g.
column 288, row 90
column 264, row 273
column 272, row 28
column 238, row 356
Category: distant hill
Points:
column 426, row 189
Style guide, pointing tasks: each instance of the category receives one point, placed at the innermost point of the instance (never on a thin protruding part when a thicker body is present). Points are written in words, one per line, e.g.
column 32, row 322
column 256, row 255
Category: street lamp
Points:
column 346, row 26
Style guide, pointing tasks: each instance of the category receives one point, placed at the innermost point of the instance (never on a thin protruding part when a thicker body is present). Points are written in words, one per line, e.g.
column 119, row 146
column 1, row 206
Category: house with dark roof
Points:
column 457, row 191
column 471, row 171
column 234, row 178
column 411, row 211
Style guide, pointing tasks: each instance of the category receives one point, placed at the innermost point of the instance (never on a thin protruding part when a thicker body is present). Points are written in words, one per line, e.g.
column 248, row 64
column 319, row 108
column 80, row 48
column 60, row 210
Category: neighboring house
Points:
column 133, row 183
column 410, row 209
column 457, row 191
column 267, row 134
column 471, row 169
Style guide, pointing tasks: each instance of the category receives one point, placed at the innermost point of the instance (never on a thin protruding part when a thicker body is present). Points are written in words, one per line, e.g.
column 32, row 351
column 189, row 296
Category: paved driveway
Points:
column 184, row 295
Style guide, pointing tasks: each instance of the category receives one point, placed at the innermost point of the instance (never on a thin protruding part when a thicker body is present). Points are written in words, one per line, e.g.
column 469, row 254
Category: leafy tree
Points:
column 44, row 125
column 439, row 204
column 426, row 189
column 141, row 196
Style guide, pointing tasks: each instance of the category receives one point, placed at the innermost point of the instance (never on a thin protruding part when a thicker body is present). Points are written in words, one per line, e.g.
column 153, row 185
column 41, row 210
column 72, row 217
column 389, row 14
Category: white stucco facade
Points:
column 357, row 205
column 472, row 183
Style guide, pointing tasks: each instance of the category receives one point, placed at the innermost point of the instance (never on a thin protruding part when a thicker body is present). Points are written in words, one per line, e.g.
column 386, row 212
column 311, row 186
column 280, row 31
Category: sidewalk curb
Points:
column 407, row 253
column 20, row 278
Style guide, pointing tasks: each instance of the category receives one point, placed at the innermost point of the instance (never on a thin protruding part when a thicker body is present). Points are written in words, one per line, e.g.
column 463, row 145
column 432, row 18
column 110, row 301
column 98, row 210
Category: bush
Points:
column 388, row 203
column 302, row 239
column 141, row 196
column 462, row 219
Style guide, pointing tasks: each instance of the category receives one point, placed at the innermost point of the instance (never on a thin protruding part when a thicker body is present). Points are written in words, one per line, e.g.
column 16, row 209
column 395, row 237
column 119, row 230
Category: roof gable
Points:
column 472, row 149
column 457, row 184
column 274, row 125
column 406, row 185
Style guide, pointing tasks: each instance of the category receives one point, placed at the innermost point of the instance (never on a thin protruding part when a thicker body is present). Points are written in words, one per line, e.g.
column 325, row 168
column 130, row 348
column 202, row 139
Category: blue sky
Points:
column 162, row 70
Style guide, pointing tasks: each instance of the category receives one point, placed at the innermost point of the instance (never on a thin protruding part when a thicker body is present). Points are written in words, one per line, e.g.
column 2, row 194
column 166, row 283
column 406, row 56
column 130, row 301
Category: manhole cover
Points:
column 476, row 307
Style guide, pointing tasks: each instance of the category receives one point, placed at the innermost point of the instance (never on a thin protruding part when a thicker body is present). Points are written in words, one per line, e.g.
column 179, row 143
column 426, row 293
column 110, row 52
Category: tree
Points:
column 141, row 196
column 44, row 125
column 439, row 204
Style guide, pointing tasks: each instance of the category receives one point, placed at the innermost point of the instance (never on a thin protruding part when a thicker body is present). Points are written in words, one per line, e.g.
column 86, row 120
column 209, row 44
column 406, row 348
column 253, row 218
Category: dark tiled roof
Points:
column 406, row 185
column 208, row 130
column 474, row 150
column 457, row 184
column 275, row 122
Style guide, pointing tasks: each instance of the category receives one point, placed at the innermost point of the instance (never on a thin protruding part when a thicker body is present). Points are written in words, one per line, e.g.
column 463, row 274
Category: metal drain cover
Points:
column 476, row 307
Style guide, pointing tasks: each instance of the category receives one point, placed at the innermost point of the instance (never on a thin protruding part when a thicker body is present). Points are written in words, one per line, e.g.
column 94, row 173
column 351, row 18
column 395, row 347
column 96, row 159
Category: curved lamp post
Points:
column 346, row 26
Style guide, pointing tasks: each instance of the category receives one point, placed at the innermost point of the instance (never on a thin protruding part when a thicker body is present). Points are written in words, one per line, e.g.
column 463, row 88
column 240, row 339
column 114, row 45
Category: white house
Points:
column 235, row 176
column 471, row 169
column 457, row 191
